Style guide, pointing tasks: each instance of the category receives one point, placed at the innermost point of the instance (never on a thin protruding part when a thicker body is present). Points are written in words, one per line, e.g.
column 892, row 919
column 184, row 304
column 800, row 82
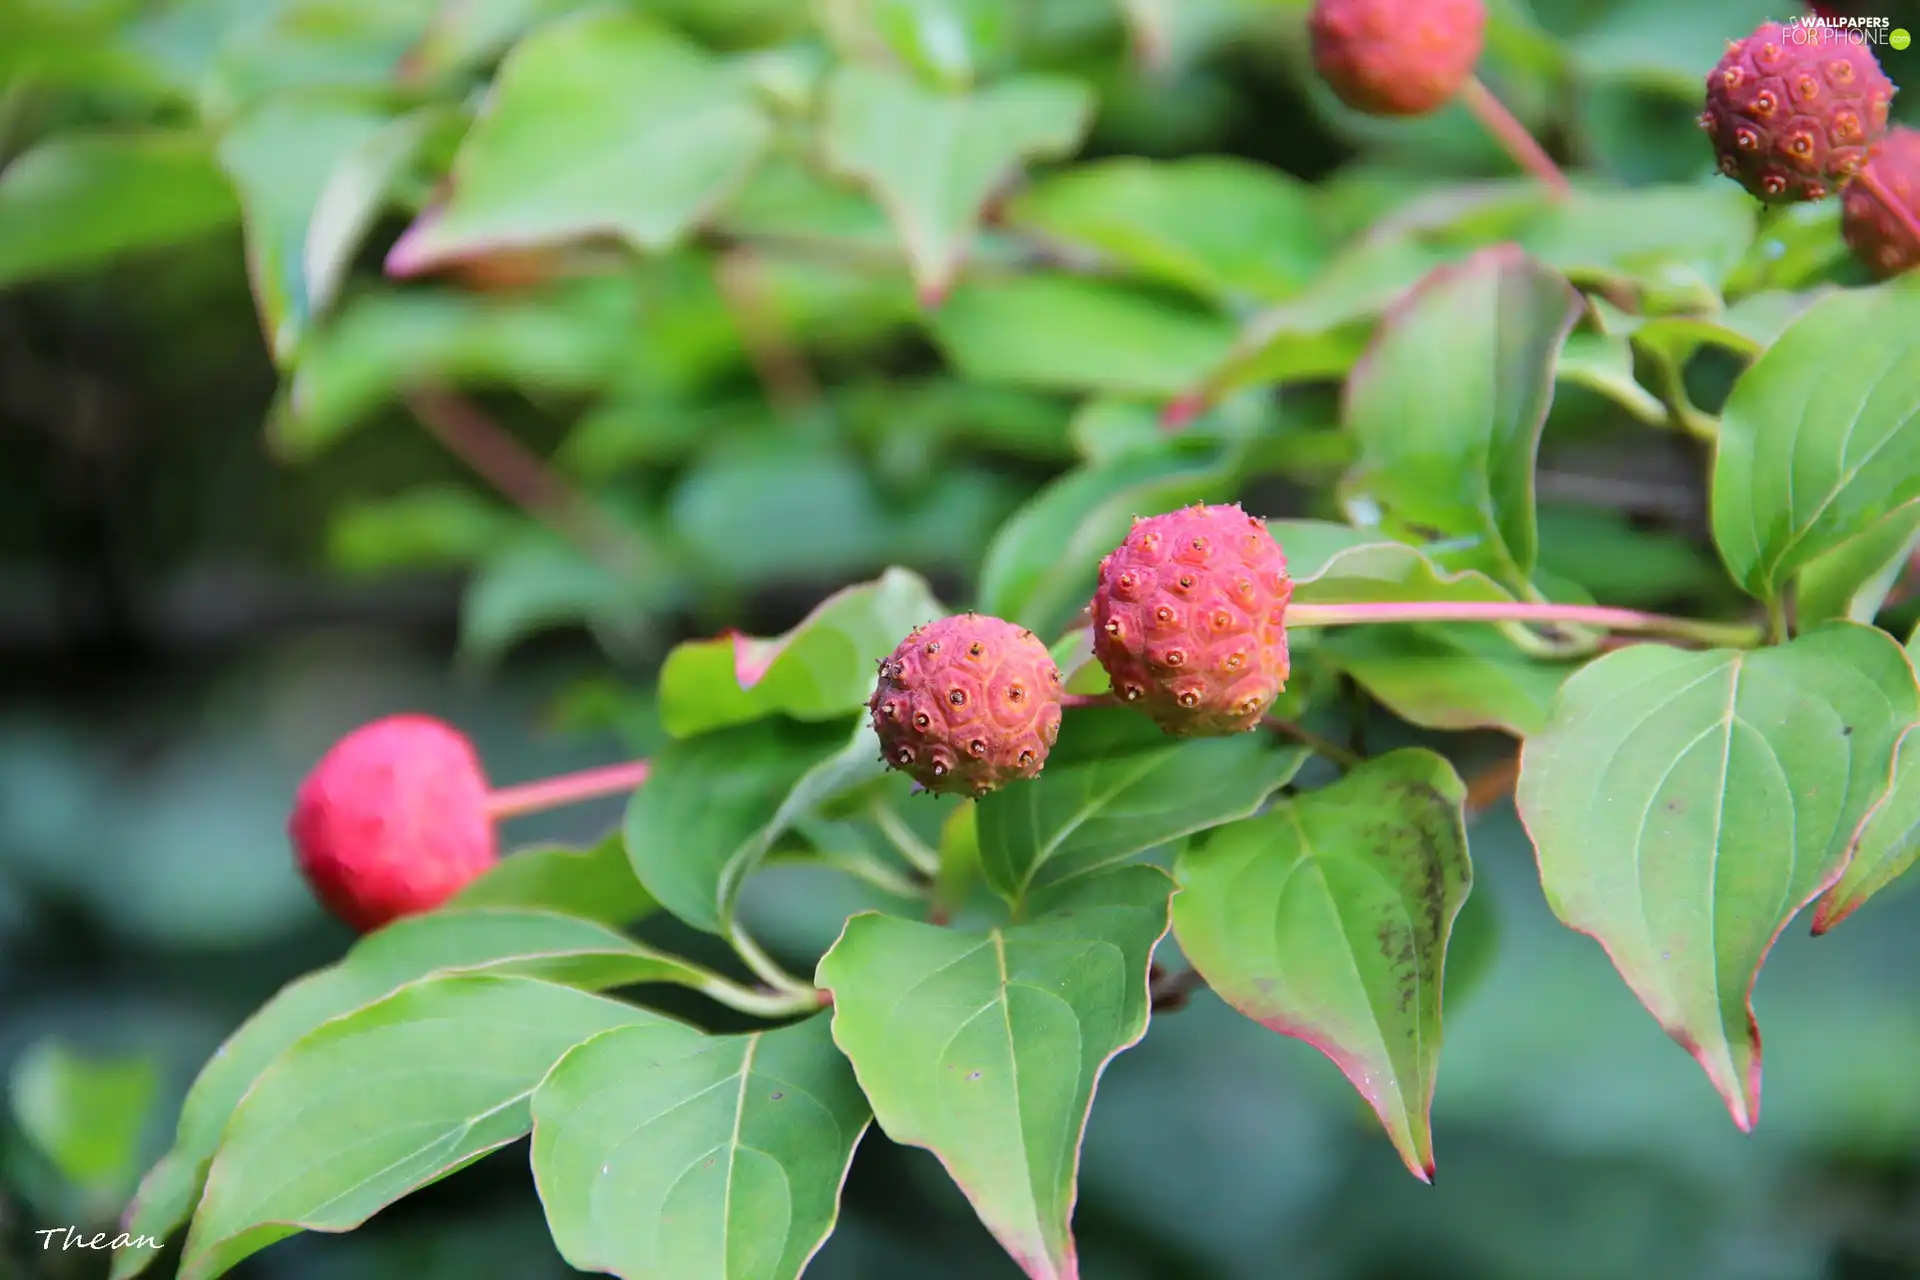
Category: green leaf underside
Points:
column 822, row 668
column 714, row 805
column 1686, row 805
column 665, row 1154
column 1887, row 844
column 598, row 125
column 985, row 1048
column 1328, row 918
column 526, row 943
column 1449, row 677
column 1820, row 438
column 1116, row 785
column 1454, row 455
column 378, row 1104
column 932, row 159
column 594, row 884
column 1852, row 580
column 1338, row 564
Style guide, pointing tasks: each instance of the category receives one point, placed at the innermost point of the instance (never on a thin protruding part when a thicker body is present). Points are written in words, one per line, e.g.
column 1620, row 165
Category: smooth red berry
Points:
column 393, row 821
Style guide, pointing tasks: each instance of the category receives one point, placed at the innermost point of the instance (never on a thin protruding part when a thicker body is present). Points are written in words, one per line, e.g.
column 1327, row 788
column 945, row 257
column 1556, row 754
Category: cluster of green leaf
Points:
column 806, row 291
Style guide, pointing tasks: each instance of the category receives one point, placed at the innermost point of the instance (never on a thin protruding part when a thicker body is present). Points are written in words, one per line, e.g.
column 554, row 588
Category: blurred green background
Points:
column 219, row 552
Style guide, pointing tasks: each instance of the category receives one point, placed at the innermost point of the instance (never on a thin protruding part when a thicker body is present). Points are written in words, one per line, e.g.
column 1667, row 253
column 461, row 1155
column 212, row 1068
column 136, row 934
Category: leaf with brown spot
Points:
column 1328, row 918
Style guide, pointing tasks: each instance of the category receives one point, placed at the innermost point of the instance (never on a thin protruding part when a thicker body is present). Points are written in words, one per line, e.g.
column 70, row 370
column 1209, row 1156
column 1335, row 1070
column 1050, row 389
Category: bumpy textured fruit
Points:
column 1190, row 620
column 1396, row 57
column 393, row 821
column 1877, row 236
column 1793, row 112
column 967, row 704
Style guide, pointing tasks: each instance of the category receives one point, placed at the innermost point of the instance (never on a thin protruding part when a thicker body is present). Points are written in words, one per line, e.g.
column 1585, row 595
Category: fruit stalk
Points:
column 1732, row 635
column 567, row 788
column 1513, row 136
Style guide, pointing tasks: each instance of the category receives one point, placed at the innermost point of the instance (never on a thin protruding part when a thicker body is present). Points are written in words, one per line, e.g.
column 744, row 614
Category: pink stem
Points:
column 568, row 788
column 1731, row 634
column 1513, row 136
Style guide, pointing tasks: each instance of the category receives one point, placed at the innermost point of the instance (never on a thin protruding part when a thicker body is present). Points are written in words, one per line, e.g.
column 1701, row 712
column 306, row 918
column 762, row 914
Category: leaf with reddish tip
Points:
column 820, row 670
column 1328, row 918
column 1686, row 805
column 933, row 159
column 986, row 1048
column 598, row 125
column 1887, row 844
column 1448, row 402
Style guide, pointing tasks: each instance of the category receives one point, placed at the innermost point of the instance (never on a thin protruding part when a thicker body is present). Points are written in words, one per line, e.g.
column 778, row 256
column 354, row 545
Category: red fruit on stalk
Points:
column 393, row 821
column 967, row 705
column 1879, row 238
column 1189, row 620
column 1396, row 57
column 1794, row 112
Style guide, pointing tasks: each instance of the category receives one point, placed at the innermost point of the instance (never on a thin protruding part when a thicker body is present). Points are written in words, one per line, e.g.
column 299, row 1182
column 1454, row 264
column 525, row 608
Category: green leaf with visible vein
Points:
column 1686, row 806
column 528, row 943
column 1448, row 403
column 822, row 668
column 662, row 1153
column 986, row 1048
column 933, row 159
column 1820, row 439
column 1338, row 564
column 1887, row 844
column 1449, row 677
column 376, row 1105
column 1328, row 919
column 595, row 883
column 1115, row 785
column 714, row 805
column 598, row 125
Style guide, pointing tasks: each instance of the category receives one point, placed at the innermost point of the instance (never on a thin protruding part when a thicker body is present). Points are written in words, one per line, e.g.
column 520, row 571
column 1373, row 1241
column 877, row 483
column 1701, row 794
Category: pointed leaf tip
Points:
column 1655, row 762
column 986, row 1048
column 1328, row 918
